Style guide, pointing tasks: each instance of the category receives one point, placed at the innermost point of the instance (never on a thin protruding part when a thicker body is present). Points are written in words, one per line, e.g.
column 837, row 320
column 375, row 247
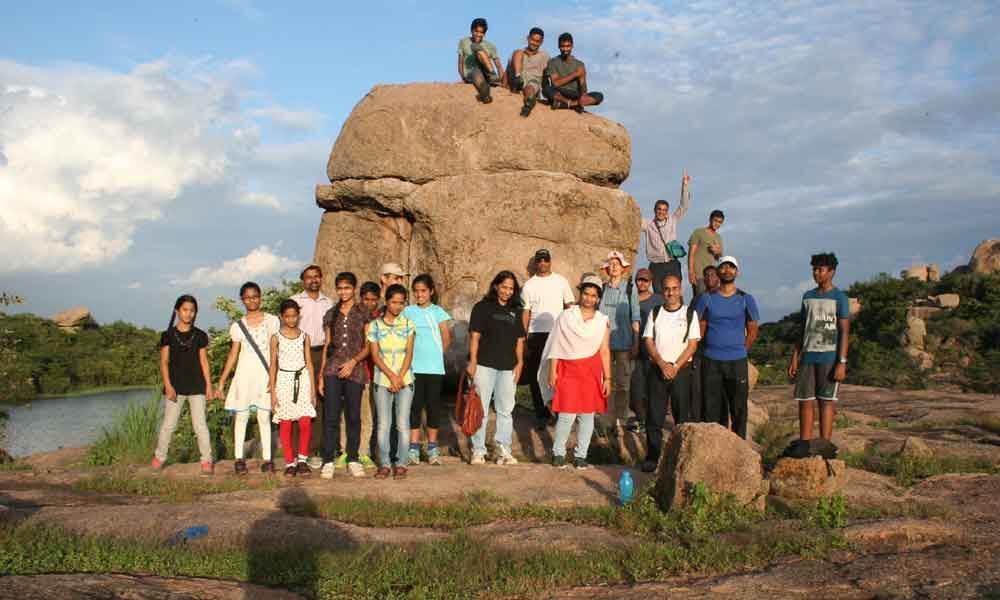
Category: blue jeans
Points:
column 384, row 400
column 500, row 386
column 584, row 431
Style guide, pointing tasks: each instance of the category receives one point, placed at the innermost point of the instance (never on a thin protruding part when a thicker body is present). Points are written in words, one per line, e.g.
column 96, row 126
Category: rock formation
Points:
column 710, row 454
column 423, row 175
column 923, row 272
column 986, row 257
column 807, row 478
column 74, row 319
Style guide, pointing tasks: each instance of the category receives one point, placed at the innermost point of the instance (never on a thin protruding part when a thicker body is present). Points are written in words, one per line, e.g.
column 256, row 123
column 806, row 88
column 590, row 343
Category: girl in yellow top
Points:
column 391, row 339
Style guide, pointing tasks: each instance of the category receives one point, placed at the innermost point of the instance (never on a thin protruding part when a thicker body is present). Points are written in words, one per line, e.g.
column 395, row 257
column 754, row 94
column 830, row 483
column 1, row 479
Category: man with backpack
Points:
column 729, row 321
column 671, row 337
column 660, row 234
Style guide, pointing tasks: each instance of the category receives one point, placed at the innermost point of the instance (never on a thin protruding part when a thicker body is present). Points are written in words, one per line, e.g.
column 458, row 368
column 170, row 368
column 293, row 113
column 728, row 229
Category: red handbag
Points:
column 468, row 406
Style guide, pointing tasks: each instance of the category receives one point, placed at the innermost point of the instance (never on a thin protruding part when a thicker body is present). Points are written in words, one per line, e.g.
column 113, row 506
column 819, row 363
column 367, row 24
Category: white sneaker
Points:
column 504, row 456
column 478, row 457
column 316, row 462
column 356, row 469
column 327, row 471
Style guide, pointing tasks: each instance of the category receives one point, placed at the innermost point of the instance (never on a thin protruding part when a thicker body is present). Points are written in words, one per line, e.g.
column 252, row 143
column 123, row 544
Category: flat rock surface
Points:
column 133, row 587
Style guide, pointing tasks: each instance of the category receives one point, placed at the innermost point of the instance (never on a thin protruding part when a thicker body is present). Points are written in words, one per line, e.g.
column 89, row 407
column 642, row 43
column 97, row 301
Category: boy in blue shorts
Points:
column 819, row 360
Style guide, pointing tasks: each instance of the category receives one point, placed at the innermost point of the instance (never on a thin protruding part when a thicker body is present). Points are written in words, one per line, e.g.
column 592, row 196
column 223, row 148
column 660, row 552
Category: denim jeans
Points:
column 498, row 386
column 384, row 405
column 584, row 431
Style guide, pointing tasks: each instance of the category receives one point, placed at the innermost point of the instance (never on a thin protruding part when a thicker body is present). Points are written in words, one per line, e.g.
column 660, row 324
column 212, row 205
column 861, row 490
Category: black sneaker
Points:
column 559, row 462
column 267, row 467
column 580, row 464
column 648, row 466
column 240, row 467
column 529, row 105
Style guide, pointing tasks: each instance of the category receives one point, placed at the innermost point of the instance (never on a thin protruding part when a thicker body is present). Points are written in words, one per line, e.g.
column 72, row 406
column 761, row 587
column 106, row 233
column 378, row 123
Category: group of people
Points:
column 562, row 80
column 618, row 352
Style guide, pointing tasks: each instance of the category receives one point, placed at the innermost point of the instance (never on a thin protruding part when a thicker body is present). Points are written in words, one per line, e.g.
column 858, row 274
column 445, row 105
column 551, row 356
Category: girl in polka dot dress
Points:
column 293, row 398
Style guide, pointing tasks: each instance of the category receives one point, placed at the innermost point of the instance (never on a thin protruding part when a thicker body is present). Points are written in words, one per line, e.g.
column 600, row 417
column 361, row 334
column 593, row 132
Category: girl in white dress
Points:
column 292, row 397
column 250, row 390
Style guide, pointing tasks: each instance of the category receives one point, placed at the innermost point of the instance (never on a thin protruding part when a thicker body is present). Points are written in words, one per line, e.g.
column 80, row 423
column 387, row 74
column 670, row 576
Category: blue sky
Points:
column 145, row 150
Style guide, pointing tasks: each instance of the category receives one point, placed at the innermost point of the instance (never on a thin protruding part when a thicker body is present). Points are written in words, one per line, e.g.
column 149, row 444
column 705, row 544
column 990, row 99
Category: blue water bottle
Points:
column 190, row 533
column 626, row 488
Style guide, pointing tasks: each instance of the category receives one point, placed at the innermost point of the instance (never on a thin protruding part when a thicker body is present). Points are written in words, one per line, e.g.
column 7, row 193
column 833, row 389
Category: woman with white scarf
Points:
column 576, row 371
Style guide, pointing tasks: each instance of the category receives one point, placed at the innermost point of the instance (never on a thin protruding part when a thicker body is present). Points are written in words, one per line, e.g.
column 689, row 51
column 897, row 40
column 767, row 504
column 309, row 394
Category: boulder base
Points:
column 807, row 478
column 710, row 454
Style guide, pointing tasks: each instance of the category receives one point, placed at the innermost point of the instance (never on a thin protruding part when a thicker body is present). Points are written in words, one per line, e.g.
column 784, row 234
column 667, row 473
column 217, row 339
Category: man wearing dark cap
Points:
column 639, row 382
column 545, row 295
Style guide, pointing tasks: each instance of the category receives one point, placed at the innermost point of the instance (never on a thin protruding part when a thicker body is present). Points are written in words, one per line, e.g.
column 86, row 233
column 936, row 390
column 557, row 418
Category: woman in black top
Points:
column 186, row 376
column 496, row 349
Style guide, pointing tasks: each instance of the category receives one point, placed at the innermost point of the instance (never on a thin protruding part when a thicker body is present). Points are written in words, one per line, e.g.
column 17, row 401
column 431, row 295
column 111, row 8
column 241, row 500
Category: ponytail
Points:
column 181, row 300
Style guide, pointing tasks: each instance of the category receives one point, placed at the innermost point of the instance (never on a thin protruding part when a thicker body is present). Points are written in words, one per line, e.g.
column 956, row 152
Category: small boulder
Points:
column 946, row 301
column 807, row 478
column 986, row 257
column 710, row 454
column 915, row 448
column 922, row 273
column 915, row 334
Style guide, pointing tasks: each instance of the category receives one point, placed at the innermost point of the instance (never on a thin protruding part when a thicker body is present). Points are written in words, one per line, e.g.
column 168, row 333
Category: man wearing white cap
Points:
column 729, row 328
column 620, row 303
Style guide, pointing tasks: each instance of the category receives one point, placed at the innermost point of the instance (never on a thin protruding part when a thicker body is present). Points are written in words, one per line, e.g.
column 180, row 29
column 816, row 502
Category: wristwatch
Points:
column 842, row 360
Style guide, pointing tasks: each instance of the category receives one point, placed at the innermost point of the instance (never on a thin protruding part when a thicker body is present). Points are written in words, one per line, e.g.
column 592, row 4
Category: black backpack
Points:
column 687, row 330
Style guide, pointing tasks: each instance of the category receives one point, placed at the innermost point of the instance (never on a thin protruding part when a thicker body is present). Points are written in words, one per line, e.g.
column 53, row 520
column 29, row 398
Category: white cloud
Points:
column 260, row 263
column 306, row 120
column 262, row 200
column 91, row 154
column 135, row 285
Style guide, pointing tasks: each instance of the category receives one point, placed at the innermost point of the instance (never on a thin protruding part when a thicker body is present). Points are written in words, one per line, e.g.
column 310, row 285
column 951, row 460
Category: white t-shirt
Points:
column 545, row 297
column 669, row 336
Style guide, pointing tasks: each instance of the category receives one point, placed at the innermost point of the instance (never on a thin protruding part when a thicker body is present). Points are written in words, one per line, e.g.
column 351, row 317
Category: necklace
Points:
column 184, row 344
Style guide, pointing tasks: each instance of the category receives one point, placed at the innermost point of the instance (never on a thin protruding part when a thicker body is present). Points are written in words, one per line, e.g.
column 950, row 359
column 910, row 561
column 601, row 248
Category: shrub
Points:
column 132, row 437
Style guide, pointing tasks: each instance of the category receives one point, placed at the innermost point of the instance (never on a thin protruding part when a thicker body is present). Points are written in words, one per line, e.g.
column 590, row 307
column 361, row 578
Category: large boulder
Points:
column 922, row 272
column 710, row 454
column 986, row 257
column 73, row 319
column 419, row 132
column 946, row 301
column 807, row 478
column 425, row 176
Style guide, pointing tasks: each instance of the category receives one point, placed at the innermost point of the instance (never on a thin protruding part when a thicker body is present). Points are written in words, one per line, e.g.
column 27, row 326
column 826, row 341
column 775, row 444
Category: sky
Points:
column 152, row 149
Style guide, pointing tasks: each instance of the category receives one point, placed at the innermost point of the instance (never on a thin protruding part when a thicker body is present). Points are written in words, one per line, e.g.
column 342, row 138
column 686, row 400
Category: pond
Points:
column 53, row 423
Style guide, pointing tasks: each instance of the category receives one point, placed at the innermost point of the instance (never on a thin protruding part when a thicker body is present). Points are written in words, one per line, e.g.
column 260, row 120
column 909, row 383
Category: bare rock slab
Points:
column 807, row 478
column 713, row 455
column 986, row 257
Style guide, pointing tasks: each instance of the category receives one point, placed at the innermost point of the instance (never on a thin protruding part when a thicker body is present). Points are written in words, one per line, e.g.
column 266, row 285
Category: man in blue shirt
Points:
column 819, row 360
column 729, row 328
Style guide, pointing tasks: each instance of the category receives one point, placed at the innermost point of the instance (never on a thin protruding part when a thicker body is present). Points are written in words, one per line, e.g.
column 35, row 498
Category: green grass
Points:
column 461, row 566
column 167, row 490
column 773, row 437
column 131, row 438
column 985, row 422
column 908, row 470
column 14, row 465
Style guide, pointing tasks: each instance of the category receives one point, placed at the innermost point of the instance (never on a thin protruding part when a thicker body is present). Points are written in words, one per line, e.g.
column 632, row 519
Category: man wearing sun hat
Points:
column 620, row 303
column 728, row 327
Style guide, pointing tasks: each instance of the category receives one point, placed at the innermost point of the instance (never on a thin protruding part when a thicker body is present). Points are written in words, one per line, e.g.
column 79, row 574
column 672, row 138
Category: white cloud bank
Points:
column 260, row 263
column 88, row 154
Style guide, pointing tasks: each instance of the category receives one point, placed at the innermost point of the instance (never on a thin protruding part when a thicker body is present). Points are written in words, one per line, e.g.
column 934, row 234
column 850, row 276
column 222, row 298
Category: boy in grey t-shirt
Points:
column 526, row 69
column 479, row 61
column 567, row 76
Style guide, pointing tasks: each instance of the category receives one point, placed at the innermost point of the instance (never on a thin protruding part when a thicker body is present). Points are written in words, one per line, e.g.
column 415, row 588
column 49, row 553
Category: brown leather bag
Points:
column 468, row 406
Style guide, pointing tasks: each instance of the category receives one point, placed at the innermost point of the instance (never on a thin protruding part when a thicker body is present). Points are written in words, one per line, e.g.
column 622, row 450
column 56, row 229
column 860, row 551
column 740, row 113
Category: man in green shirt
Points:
column 705, row 248
column 479, row 61
column 567, row 76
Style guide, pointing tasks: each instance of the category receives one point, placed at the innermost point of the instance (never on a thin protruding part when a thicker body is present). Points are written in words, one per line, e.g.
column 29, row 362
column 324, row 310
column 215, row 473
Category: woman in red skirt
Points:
column 576, row 365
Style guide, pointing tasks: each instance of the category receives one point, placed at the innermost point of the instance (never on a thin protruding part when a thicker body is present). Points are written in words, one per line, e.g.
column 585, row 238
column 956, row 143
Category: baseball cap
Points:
column 591, row 279
column 728, row 259
column 543, row 253
column 392, row 269
column 644, row 274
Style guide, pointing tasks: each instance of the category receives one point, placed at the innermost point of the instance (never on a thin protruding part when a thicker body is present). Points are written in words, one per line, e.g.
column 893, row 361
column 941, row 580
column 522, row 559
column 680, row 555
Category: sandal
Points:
column 291, row 471
column 382, row 473
column 399, row 472
column 240, row 466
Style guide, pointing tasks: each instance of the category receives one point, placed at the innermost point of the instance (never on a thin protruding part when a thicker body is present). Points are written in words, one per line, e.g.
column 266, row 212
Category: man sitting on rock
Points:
column 526, row 69
column 478, row 61
column 567, row 76
column 819, row 359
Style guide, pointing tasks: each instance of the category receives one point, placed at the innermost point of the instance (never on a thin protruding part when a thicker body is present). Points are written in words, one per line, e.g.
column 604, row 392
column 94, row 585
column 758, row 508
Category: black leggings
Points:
column 342, row 395
column 426, row 396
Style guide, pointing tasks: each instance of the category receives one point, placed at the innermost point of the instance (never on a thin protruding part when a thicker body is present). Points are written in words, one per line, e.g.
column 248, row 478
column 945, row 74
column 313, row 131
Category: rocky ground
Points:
column 936, row 539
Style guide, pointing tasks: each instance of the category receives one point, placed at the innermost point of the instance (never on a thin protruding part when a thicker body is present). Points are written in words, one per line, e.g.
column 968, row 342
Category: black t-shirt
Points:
column 499, row 328
column 183, row 365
